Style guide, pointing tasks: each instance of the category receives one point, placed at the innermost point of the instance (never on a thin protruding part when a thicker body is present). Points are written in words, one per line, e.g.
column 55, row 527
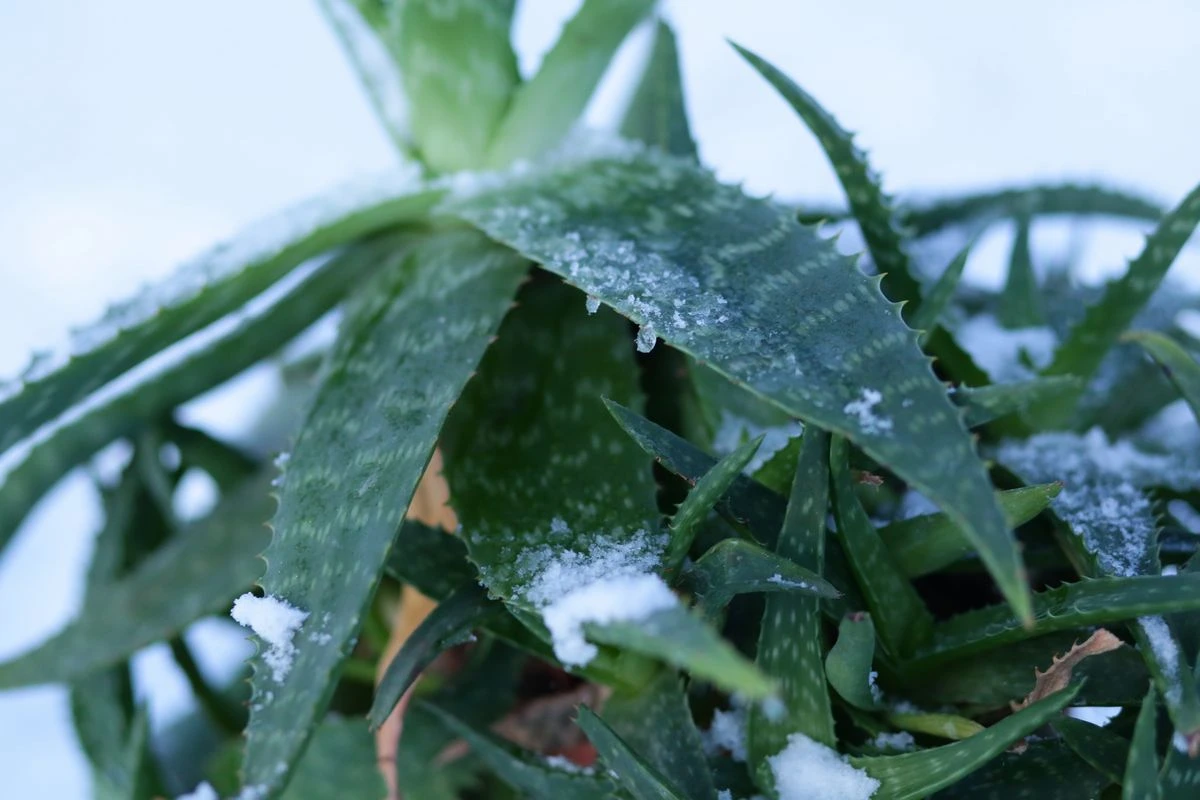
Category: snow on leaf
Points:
column 276, row 622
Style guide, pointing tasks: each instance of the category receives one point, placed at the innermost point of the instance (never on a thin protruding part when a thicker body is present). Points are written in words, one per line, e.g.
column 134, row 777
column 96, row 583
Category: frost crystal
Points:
column 998, row 350
column 863, row 409
column 646, row 337
column 727, row 733
column 592, row 304
column 276, row 622
column 807, row 770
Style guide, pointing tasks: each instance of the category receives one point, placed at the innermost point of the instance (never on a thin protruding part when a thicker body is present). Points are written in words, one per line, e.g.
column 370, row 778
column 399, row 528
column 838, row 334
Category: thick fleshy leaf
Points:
column 252, row 337
column 544, row 109
column 848, row 665
column 650, row 235
column 430, row 559
column 1090, row 339
column 397, row 368
column 930, row 723
column 937, row 298
column 529, row 774
column 1180, row 777
column 1141, row 769
column 1180, row 366
column 450, row 623
column 735, row 566
column 1087, row 602
column 925, row 544
column 657, row 114
column 790, row 647
column 656, row 722
column 202, row 291
column 633, row 772
column 902, row 620
column 916, row 775
column 872, row 209
column 1047, row 770
column 196, row 573
column 1063, row 199
column 984, row 404
column 340, row 762
column 1104, row 750
column 459, row 72
column 1020, row 303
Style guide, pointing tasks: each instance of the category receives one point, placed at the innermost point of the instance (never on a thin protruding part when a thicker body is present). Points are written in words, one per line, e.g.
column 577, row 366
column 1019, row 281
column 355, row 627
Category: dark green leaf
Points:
column 371, row 430
column 938, row 298
column 1181, row 367
column 848, row 665
column 1141, row 770
column 545, row 108
column 340, row 762
column 430, row 559
column 810, row 333
column 657, row 114
column 984, row 404
column 1100, row 747
column 735, row 566
column 1021, row 301
column 632, row 771
column 1047, row 770
column 1180, row 778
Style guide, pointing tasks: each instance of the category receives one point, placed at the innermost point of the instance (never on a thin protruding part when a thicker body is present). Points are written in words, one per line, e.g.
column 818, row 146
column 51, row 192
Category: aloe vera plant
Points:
column 617, row 481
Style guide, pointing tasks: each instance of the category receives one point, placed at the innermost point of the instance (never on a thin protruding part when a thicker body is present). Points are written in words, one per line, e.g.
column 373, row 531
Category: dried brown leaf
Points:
column 1058, row 675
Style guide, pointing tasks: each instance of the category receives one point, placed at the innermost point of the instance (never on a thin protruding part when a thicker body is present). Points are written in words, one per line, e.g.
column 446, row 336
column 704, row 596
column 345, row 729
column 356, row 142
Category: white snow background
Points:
column 133, row 133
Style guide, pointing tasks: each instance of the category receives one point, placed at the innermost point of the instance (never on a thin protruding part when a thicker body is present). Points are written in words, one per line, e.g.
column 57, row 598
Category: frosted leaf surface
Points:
column 276, row 622
column 808, row 770
column 863, row 409
column 623, row 598
column 1166, row 653
column 998, row 350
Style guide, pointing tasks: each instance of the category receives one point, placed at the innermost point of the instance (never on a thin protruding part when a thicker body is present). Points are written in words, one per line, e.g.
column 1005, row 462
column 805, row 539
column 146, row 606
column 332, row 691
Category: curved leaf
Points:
column 657, row 114
column 1020, row 303
column 848, row 665
column 430, row 559
column 394, row 374
column 938, row 298
column 1047, row 770
column 984, row 404
column 631, row 770
column 650, row 235
column 734, row 566
column 1104, row 750
column 1180, row 366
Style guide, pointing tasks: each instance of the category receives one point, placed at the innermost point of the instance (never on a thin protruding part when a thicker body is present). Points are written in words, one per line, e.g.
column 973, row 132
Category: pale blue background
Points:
column 134, row 132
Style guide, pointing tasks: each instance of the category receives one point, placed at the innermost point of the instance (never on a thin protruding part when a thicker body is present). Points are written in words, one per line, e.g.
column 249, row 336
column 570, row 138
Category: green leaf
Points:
column 138, row 778
column 810, row 333
column 1181, row 368
column 848, row 665
column 393, row 376
column 1047, row 770
column 984, row 404
column 1180, row 777
column 943, row 726
column 1090, row 339
column 251, row 338
column 699, row 502
column 1092, row 601
column 459, row 73
column 1021, row 301
column 789, row 641
column 903, row 621
column 872, row 209
column 340, row 762
column 196, row 573
column 938, row 298
column 657, row 114
column 1038, row 201
column 450, row 623
column 430, row 559
column 545, row 108
column 632, row 771
column 1100, row 747
column 735, row 566
column 363, row 27
column 1141, row 770
column 656, row 723
column 925, row 544
column 918, row 774
column 202, row 291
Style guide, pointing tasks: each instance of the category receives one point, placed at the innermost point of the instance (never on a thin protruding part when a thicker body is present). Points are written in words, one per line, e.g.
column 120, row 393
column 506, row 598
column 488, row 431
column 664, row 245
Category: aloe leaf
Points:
column 734, row 566
column 1141, row 770
column 356, row 463
column 1038, row 201
column 848, row 665
column 870, row 206
column 450, row 623
column 430, row 559
column 789, row 641
column 937, row 299
column 527, row 773
column 340, row 762
column 984, row 404
column 1092, row 601
column 918, row 774
column 1181, row 368
column 1020, row 303
column 1090, row 339
column 459, row 73
column 196, row 573
column 903, row 620
column 1104, row 750
column 632, row 771
column 699, row 502
column 1180, row 777
column 200, row 292
column 544, row 109
column 656, row 722
column 788, row 342
column 943, row 726
column 1046, row 770
column 363, row 28
column 657, row 114
column 253, row 337
column 139, row 778
column 925, row 544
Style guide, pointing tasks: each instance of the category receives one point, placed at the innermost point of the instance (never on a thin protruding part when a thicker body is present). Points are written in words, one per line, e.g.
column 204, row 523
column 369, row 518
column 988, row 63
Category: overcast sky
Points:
column 135, row 132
